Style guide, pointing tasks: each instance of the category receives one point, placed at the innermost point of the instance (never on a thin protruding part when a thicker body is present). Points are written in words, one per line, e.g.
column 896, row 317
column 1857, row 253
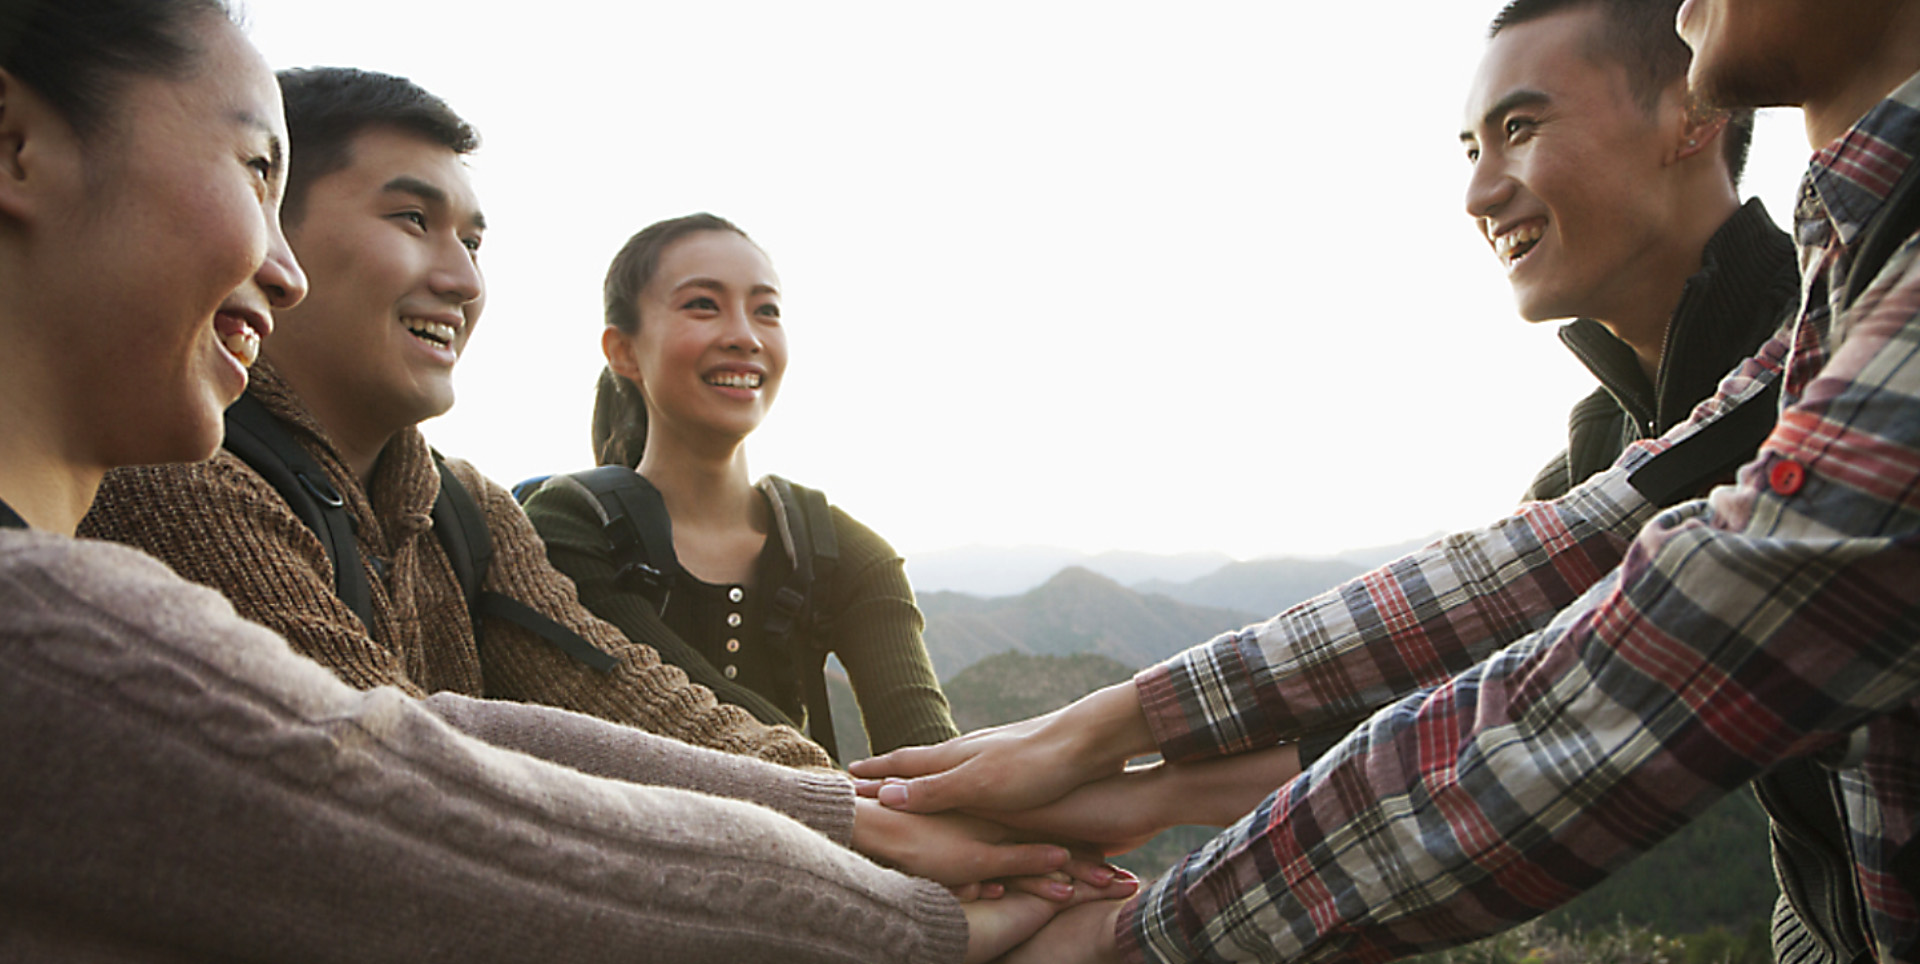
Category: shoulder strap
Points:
column 816, row 552
column 1711, row 454
column 261, row 441
column 637, row 528
column 463, row 532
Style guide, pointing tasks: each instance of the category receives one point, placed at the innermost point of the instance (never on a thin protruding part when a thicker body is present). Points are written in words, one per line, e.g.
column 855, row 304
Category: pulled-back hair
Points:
column 327, row 107
column 619, row 413
column 1639, row 36
column 78, row 54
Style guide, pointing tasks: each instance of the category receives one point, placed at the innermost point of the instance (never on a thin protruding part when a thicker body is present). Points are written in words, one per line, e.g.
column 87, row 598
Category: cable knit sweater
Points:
column 220, row 524
column 177, row 785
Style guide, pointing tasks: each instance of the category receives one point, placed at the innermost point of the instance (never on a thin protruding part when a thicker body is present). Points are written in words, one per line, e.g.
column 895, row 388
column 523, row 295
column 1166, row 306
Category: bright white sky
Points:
column 1100, row 275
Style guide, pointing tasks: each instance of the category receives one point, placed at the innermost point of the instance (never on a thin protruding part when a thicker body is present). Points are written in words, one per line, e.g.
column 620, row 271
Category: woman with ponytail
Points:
column 695, row 353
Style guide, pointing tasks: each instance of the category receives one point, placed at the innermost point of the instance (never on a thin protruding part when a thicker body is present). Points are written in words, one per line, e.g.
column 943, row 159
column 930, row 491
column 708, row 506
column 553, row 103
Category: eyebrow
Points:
column 430, row 193
column 276, row 149
column 1519, row 98
column 710, row 284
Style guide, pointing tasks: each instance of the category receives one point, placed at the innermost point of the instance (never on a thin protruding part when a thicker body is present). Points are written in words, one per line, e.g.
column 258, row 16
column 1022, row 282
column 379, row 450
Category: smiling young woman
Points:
column 696, row 352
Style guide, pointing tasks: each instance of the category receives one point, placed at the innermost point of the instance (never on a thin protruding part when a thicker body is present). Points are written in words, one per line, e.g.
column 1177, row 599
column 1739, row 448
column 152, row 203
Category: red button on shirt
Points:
column 1786, row 476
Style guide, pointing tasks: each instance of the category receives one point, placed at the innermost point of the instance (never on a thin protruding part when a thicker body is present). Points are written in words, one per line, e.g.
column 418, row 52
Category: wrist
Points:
column 872, row 835
column 1105, row 729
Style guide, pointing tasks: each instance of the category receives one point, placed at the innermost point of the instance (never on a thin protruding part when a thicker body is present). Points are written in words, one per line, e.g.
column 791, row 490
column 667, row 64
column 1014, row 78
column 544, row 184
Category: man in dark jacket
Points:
column 1610, row 197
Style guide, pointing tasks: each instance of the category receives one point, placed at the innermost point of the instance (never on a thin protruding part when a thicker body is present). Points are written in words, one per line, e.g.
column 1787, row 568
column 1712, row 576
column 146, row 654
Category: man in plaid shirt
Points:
column 1560, row 691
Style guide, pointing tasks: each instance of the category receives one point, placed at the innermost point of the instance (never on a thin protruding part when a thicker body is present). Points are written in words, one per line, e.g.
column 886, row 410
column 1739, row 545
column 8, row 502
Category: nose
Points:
column 280, row 275
column 1488, row 188
column 739, row 332
column 456, row 277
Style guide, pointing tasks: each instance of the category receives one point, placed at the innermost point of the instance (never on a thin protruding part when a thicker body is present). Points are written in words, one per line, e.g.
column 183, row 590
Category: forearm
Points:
column 821, row 799
column 875, row 629
column 238, row 798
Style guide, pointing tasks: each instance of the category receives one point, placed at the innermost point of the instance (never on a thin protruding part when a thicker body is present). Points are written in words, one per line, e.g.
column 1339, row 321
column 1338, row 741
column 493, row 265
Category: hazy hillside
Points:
column 1015, row 686
column 1074, row 612
column 1263, row 586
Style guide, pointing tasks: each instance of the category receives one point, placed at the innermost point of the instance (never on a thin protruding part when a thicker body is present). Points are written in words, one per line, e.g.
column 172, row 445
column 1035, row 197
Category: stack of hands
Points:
column 1017, row 820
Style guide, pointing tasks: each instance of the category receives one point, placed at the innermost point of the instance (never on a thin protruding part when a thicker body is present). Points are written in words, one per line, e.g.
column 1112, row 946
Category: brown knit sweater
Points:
column 220, row 524
column 177, row 785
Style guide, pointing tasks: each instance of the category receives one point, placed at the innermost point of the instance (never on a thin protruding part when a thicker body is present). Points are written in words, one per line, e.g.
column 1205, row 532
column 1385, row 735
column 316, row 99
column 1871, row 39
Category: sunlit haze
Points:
column 1095, row 275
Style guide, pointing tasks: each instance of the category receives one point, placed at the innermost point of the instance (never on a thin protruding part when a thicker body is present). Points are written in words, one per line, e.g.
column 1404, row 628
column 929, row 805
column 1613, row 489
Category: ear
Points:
column 618, row 347
column 1701, row 131
column 36, row 143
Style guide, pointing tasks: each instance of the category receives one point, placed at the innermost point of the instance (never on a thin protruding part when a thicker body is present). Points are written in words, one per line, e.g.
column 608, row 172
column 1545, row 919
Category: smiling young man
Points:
column 1610, row 197
column 381, row 212
column 1545, row 698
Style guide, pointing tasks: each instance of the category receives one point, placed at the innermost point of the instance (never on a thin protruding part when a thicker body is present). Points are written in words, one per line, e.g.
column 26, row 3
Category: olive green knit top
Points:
column 867, row 617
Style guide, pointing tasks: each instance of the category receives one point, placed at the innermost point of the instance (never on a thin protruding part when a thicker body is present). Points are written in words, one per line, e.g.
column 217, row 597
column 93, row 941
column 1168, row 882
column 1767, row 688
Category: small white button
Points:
column 733, row 619
column 733, row 645
column 736, row 594
column 732, row 671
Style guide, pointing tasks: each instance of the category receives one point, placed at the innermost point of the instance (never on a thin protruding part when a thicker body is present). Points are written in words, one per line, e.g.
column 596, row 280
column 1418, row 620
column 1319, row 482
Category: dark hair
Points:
column 79, row 53
column 328, row 106
column 1639, row 36
column 619, row 413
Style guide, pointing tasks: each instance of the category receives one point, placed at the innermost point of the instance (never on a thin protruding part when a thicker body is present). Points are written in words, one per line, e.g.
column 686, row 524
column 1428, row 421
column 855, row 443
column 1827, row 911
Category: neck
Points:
column 347, row 425
column 51, row 495
column 1658, row 283
column 1870, row 75
column 702, row 486
column 45, row 474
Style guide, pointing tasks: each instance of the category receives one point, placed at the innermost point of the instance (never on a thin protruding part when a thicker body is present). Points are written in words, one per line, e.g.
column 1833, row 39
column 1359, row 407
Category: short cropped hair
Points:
column 1639, row 36
column 327, row 107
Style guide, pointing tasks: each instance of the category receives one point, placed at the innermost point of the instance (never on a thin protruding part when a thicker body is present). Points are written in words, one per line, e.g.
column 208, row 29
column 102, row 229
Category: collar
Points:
column 398, row 500
column 1744, row 289
column 10, row 519
column 1849, row 180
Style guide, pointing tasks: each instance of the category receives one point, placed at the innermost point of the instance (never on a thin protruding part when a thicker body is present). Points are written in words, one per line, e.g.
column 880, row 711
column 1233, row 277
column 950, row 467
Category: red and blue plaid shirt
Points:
column 1540, row 701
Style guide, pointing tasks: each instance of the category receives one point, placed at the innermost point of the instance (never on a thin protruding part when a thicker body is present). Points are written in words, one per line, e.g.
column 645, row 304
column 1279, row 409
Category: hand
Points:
column 994, row 926
column 1081, row 935
column 1123, row 811
column 948, row 848
column 1020, row 765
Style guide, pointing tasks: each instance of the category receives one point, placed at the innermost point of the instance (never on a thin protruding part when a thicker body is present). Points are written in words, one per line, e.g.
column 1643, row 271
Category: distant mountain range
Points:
column 1010, row 570
column 1077, row 611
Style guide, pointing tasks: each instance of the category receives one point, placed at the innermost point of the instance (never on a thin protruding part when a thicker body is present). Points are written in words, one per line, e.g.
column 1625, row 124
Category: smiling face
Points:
column 391, row 244
column 710, row 349
column 1566, row 168
column 167, row 262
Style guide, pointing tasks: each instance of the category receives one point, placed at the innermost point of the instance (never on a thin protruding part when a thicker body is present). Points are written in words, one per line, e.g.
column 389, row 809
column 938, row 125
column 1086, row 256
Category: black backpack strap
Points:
column 638, row 530
column 463, row 533
column 815, row 554
column 1710, row 454
column 258, row 439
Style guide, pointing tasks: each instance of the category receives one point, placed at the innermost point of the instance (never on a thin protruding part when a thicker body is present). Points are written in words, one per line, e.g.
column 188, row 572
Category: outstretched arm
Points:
column 1020, row 765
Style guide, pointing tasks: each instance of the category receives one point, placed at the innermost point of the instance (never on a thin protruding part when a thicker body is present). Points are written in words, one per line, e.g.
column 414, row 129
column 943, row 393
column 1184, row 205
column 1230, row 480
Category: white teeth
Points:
column 244, row 345
column 1516, row 243
column 437, row 332
column 735, row 379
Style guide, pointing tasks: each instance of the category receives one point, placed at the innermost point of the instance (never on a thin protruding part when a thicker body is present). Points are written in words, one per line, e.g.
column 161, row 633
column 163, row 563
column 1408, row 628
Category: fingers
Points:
column 985, row 890
column 1094, row 873
column 995, row 926
column 1021, row 860
column 909, row 761
column 1056, row 887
